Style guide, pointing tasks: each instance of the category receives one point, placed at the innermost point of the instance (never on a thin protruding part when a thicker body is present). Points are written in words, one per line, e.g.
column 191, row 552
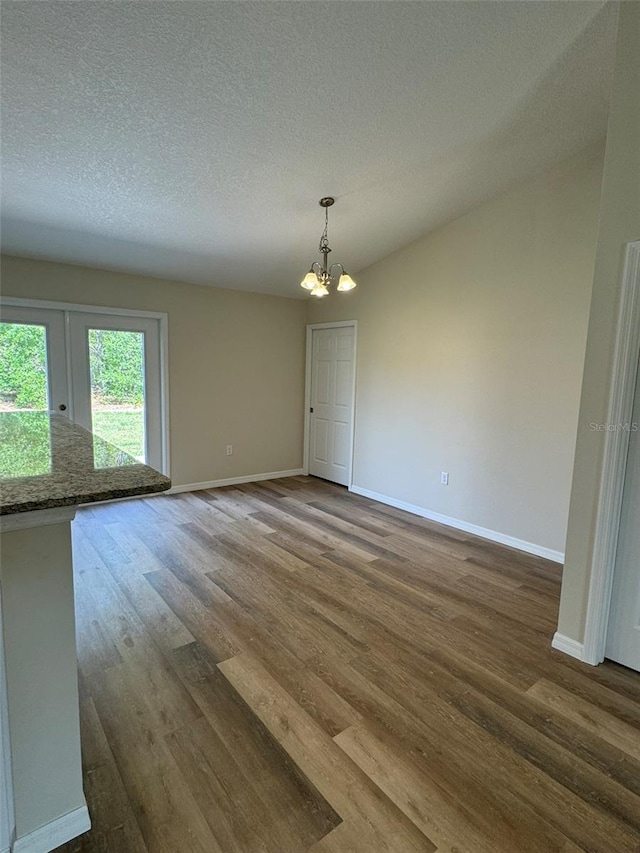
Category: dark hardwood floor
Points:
column 285, row 667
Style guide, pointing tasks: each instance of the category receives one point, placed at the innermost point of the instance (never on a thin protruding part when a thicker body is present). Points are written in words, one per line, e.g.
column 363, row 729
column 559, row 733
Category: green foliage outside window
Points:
column 117, row 359
column 23, row 366
column 117, row 366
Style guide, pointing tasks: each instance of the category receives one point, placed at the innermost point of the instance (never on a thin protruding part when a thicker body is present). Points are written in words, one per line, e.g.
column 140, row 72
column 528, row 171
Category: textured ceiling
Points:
column 192, row 140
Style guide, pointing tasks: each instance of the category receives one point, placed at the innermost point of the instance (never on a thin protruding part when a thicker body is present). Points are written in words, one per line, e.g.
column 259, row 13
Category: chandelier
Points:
column 320, row 275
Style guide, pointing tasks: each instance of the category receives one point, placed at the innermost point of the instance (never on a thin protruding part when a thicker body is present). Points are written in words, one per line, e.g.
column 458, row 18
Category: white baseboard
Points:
column 232, row 481
column 482, row 532
column 52, row 835
column 568, row 646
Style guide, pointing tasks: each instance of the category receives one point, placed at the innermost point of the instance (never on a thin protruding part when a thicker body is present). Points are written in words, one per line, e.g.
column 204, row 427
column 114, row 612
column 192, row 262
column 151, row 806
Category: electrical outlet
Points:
column 229, row 449
column 444, row 478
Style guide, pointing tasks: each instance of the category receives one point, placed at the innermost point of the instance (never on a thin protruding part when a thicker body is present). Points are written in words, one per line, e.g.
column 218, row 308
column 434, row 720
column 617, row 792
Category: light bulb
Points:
column 320, row 290
column 310, row 280
column 346, row 282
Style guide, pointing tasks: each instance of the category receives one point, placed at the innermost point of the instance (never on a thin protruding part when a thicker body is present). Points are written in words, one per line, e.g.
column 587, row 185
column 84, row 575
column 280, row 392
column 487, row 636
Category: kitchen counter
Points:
column 46, row 461
column 48, row 466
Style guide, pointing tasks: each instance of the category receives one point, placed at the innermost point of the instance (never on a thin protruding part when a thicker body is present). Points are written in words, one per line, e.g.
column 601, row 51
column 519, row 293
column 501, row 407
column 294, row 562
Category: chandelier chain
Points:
column 324, row 239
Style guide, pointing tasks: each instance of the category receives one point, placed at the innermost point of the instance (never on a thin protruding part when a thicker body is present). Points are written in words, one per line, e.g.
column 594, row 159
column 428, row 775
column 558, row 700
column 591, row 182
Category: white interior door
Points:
column 623, row 636
column 332, row 403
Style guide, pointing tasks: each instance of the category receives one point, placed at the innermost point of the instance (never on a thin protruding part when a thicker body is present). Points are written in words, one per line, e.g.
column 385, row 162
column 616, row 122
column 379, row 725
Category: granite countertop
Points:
column 47, row 461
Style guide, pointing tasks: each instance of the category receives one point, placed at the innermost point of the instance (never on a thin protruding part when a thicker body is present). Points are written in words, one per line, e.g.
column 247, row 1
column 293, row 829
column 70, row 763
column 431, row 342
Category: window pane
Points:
column 25, row 444
column 23, row 368
column 116, row 362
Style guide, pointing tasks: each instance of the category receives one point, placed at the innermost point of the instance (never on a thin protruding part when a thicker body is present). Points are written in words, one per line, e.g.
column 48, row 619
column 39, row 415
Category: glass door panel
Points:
column 117, row 371
column 25, row 444
column 24, row 384
column 115, row 367
column 33, row 373
column 33, row 381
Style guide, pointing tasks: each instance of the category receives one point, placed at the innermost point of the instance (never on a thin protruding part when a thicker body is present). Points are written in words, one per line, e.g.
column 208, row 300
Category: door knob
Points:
column 62, row 407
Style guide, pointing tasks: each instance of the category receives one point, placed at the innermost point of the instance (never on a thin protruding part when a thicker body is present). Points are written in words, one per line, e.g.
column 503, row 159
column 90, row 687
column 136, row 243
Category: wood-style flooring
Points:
column 285, row 667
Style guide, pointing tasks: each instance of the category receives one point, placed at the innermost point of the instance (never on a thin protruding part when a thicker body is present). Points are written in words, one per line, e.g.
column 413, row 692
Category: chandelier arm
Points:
column 320, row 271
column 336, row 264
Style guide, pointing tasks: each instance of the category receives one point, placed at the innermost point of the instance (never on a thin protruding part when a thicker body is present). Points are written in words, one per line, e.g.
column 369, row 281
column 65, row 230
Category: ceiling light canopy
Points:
column 321, row 276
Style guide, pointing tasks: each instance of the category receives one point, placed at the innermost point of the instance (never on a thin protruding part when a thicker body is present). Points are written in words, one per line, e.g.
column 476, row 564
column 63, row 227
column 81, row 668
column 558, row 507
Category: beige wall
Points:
column 236, row 364
column 619, row 224
column 470, row 354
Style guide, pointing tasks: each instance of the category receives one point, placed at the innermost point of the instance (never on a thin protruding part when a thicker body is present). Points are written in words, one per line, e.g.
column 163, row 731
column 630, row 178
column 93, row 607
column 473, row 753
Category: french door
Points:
column 102, row 370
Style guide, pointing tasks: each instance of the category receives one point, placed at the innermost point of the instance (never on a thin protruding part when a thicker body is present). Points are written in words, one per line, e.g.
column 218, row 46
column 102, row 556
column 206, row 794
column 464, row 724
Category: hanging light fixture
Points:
column 320, row 275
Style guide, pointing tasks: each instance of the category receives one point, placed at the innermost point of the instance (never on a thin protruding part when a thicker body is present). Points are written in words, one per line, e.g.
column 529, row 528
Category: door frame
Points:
column 337, row 324
column 614, row 462
column 163, row 332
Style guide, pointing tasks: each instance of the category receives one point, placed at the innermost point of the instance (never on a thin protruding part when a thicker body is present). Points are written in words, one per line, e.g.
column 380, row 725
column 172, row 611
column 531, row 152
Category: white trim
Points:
column 36, row 518
column 482, row 532
column 337, row 324
column 164, row 393
column 334, row 324
column 73, row 306
column 53, row 834
column 568, row 646
column 614, row 459
column 71, row 402
column 230, row 481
